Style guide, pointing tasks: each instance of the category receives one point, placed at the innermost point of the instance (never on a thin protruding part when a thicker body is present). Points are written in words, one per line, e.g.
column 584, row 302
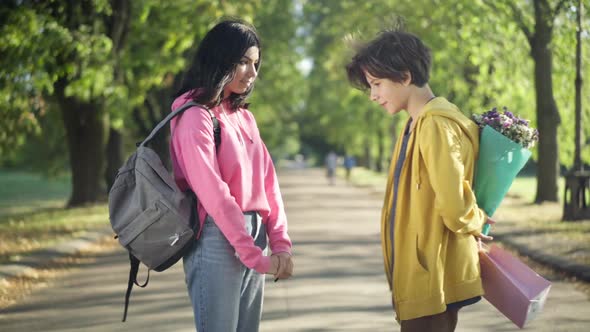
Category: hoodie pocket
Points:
column 420, row 258
column 414, row 283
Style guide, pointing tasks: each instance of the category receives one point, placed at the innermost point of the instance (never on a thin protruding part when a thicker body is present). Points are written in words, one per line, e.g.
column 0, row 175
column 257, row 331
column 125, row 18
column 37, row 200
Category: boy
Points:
column 430, row 223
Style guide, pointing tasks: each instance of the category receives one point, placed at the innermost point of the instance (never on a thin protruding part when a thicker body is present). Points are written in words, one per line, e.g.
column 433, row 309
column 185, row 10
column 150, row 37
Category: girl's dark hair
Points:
column 214, row 63
column 391, row 55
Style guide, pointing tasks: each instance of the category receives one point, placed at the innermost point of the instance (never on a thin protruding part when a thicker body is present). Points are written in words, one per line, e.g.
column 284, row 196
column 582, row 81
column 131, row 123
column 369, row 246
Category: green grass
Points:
column 526, row 187
column 363, row 177
column 24, row 233
column 523, row 187
column 22, row 193
column 32, row 214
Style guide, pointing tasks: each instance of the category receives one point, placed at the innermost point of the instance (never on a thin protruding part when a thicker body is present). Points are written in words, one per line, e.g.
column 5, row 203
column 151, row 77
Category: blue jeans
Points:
column 226, row 295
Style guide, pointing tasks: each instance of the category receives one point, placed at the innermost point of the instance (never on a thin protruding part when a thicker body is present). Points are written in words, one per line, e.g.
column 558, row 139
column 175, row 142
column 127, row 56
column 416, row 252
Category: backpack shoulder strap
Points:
column 181, row 109
column 216, row 130
column 134, row 262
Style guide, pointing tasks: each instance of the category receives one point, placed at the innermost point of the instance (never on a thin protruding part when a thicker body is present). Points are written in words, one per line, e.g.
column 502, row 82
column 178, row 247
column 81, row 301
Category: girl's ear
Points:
column 408, row 78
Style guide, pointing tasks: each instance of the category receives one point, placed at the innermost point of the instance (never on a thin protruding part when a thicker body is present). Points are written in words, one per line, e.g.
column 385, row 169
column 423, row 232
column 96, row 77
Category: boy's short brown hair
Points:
column 391, row 55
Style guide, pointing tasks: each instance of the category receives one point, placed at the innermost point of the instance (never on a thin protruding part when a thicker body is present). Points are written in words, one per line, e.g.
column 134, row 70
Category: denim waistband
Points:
column 251, row 214
column 248, row 216
column 254, row 226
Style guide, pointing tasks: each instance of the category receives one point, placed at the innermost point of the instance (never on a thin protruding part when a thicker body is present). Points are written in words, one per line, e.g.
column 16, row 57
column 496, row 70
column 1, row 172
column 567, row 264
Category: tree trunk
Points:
column 117, row 26
column 578, row 165
column 367, row 162
column 380, row 150
column 160, row 144
column 86, row 142
column 548, row 119
column 86, row 126
column 114, row 154
column 158, row 103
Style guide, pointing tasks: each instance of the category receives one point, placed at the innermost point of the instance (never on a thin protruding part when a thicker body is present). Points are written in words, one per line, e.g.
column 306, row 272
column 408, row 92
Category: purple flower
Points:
column 509, row 125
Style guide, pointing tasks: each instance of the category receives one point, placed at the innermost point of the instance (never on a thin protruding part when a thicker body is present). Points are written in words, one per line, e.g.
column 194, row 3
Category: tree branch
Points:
column 516, row 15
column 143, row 129
column 151, row 106
column 118, row 23
column 559, row 7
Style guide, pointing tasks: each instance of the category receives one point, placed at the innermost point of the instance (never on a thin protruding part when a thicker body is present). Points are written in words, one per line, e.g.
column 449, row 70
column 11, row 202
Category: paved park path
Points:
column 339, row 283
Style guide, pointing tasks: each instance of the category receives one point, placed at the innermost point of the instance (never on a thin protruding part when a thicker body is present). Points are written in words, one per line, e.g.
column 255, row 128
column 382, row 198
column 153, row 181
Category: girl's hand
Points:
column 285, row 269
column 274, row 265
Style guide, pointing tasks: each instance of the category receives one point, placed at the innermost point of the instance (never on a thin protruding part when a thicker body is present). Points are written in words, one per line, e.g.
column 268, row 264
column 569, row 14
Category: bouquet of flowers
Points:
column 503, row 151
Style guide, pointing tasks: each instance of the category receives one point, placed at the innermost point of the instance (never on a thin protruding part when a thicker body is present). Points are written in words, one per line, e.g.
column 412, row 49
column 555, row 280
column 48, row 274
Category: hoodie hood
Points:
column 181, row 100
column 440, row 106
column 186, row 97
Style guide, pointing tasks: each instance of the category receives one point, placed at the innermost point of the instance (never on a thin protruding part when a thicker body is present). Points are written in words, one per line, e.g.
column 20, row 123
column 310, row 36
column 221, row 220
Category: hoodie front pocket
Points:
column 413, row 282
column 420, row 258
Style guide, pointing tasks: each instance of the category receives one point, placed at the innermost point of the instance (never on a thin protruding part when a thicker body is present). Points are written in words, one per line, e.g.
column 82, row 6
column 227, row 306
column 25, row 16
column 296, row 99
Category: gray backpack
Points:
column 152, row 218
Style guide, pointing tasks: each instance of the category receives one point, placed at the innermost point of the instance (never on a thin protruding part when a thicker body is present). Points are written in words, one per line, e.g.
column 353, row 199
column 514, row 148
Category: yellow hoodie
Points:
column 436, row 256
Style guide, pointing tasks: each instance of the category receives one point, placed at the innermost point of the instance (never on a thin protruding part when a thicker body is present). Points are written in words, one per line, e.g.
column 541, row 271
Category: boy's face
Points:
column 390, row 95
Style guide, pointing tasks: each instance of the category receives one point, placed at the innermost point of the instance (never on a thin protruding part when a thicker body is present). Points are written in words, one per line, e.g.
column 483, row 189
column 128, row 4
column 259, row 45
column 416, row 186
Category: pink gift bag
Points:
column 513, row 288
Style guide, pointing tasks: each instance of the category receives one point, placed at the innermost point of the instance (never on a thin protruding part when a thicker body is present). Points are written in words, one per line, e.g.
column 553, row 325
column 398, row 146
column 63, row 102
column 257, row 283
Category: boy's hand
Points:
column 481, row 237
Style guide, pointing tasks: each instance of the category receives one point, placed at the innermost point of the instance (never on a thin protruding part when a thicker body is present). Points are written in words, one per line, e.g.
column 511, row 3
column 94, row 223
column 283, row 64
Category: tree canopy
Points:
column 83, row 80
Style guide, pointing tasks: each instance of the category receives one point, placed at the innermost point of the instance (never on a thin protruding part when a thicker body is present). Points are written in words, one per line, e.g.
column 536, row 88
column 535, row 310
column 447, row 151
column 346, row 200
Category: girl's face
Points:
column 245, row 73
column 390, row 95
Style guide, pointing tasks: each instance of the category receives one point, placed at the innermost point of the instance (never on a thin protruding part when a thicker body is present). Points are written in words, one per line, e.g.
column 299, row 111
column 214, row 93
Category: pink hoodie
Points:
column 240, row 176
